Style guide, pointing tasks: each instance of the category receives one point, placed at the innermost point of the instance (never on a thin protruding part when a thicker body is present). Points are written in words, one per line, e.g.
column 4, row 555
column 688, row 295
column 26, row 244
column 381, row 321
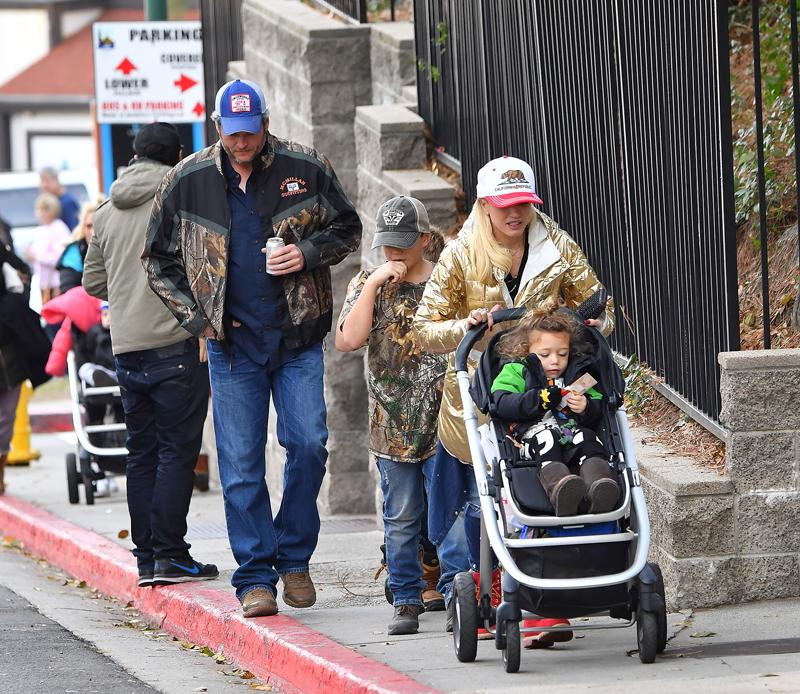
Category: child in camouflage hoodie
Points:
column 405, row 388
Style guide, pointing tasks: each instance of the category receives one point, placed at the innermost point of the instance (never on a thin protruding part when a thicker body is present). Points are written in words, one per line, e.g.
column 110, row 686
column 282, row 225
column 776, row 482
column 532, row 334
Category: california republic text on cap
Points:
column 507, row 181
column 399, row 223
column 240, row 107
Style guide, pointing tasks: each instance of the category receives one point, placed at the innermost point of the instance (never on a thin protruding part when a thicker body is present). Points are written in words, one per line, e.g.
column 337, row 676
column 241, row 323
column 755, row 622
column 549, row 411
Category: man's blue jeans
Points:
column 241, row 389
column 165, row 397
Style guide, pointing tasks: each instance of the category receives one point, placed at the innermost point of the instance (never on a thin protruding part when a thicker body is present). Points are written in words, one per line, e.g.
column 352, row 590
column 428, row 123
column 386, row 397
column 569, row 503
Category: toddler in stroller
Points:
column 592, row 562
column 550, row 420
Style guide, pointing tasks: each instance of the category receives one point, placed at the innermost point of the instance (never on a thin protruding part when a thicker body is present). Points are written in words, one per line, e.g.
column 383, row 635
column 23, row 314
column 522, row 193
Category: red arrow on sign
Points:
column 198, row 109
column 126, row 67
column 184, row 83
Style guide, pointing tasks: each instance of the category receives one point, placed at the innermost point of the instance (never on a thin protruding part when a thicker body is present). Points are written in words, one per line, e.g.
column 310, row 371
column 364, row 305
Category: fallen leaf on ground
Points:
column 261, row 687
column 702, row 634
column 247, row 675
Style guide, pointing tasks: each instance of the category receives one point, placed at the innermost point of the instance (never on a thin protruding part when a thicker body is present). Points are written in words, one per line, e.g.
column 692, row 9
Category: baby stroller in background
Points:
column 101, row 445
column 587, row 565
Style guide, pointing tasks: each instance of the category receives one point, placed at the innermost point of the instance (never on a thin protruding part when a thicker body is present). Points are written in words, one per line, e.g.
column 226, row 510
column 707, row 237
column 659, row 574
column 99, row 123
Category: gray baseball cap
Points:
column 399, row 223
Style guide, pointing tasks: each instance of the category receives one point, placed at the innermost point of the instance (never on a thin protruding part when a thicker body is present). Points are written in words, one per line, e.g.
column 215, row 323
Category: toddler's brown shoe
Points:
column 298, row 589
column 259, row 602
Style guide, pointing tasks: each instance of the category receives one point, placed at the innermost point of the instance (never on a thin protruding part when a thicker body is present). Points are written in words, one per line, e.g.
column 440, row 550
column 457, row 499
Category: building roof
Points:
column 66, row 73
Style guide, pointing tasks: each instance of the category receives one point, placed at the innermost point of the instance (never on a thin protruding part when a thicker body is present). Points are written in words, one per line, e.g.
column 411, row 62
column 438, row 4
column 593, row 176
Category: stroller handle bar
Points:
column 592, row 307
column 476, row 333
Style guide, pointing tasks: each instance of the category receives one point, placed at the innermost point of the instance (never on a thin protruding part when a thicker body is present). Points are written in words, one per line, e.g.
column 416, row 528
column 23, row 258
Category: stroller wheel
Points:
column 647, row 635
column 73, row 480
column 513, row 650
column 661, row 615
column 388, row 593
column 88, row 489
column 465, row 621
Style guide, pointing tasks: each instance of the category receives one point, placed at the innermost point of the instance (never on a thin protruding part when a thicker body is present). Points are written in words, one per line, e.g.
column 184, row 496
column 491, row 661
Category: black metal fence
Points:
column 222, row 43
column 623, row 110
column 356, row 11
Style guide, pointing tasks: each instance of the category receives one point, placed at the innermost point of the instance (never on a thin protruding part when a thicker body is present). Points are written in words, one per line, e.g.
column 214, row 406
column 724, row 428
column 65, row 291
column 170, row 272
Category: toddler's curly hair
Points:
column 546, row 318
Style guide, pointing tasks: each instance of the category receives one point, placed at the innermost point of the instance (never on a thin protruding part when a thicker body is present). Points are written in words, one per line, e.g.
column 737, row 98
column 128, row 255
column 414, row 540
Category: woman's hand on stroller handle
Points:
column 482, row 315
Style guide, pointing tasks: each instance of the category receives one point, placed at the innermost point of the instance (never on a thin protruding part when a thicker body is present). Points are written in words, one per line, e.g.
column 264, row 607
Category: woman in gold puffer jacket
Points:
column 507, row 255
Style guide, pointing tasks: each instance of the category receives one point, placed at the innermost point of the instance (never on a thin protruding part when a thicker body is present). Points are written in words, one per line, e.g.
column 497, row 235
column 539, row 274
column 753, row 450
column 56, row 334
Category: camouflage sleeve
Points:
column 340, row 230
column 162, row 257
column 353, row 292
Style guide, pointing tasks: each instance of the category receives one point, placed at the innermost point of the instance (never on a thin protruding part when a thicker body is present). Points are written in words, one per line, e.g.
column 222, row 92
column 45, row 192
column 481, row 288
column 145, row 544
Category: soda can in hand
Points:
column 273, row 244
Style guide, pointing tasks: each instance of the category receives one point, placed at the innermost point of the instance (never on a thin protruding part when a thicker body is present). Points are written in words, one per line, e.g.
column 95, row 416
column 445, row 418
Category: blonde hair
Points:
column 49, row 203
column 79, row 232
column 516, row 342
column 485, row 254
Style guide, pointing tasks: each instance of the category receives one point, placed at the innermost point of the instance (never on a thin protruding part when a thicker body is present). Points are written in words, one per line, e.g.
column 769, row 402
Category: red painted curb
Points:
column 273, row 648
column 50, row 422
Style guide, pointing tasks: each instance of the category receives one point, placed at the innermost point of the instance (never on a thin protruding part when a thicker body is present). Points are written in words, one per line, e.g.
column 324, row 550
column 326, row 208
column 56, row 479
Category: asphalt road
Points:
column 39, row 655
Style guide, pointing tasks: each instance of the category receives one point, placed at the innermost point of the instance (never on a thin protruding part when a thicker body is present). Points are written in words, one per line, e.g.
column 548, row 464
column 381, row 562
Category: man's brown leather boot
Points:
column 298, row 589
column 259, row 602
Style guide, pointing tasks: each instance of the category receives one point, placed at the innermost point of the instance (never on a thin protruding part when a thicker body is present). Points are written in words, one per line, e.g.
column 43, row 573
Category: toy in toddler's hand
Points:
column 579, row 387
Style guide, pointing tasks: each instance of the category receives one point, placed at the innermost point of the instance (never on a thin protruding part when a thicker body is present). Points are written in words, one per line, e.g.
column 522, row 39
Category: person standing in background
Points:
column 164, row 385
column 49, row 183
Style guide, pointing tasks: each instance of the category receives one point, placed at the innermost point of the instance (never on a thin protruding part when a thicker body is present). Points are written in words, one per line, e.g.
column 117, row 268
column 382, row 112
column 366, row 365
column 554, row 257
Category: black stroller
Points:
column 584, row 565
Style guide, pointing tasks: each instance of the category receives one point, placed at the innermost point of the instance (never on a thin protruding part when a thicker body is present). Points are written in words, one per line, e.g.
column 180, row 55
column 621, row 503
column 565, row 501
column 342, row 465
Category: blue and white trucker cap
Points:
column 240, row 107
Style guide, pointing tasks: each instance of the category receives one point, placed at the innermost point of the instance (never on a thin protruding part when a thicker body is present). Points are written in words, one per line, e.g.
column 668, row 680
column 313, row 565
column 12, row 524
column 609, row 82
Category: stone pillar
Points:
column 394, row 62
column 315, row 71
column 734, row 537
column 761, row 409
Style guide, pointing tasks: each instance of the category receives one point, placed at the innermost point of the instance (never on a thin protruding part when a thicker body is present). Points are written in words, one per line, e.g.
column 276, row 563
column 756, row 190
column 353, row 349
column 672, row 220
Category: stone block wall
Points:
column 394, row 63
column 734, row 537
column 390, row 151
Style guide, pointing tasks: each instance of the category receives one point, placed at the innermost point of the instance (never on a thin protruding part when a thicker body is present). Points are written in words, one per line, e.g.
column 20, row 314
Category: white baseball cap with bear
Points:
column 507, row 181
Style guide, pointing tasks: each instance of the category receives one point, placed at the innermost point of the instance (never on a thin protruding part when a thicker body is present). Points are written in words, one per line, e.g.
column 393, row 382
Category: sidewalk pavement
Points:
column 340, row 645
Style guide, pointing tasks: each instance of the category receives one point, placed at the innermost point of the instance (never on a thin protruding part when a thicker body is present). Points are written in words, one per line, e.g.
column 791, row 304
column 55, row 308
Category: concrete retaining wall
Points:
column 735, row 537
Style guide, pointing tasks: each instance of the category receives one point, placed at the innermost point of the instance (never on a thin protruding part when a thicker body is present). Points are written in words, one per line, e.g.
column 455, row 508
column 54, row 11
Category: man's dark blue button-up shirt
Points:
column 252, row 295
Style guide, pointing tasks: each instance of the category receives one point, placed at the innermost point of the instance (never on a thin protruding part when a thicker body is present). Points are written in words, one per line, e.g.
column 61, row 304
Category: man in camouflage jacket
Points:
column 204, row 257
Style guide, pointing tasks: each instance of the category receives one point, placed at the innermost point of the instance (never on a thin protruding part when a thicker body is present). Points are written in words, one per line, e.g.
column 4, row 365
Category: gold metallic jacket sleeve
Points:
column 440, row 321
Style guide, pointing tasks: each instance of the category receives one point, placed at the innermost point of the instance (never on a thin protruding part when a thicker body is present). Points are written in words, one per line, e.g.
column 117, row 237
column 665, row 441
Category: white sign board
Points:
column 148, row 71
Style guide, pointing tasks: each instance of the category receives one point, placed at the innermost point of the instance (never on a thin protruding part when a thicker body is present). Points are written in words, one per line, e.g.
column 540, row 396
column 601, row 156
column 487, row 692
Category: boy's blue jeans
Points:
column 262, row 546
column 404, row 486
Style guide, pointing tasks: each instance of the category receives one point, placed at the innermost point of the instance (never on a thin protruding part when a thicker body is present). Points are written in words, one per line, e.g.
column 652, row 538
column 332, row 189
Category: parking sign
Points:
column 148, row 71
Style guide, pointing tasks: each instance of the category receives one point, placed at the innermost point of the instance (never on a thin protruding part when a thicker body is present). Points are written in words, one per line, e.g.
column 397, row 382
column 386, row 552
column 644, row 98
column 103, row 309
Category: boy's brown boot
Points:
column 431, row 598
column 565, row 490
column 602, row 488
column 201, row 473
column 2, row 472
